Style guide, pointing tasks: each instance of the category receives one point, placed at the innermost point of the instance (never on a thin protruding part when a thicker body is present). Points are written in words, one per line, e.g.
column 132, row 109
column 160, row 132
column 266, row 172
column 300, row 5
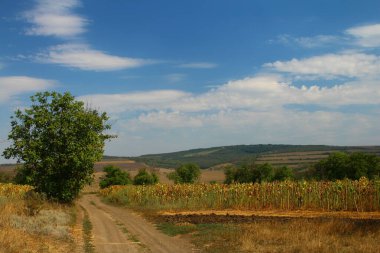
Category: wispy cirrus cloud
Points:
column 11, row 86
column 366, row 35
column 55, row 18
column 175, row 77
column 199, row 65
column 309, row 42
column 82, row 56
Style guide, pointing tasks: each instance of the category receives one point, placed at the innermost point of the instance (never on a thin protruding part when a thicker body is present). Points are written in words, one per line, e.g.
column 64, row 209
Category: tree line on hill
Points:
column 337, row 165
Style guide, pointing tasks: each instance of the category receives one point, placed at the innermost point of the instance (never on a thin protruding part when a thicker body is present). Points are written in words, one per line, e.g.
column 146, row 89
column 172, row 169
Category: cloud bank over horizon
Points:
column 325, row 88
column 280, row 104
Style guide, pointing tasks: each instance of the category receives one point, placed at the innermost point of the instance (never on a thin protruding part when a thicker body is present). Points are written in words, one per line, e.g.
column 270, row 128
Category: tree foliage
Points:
column 252, row 173
column 114, row 176
column 58, row 141
column 185, row 174
column 143, row 177
column 341, row 165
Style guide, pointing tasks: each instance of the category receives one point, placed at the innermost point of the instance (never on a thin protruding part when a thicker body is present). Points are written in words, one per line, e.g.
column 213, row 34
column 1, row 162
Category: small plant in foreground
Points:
column 145, row 178
column 185, row 174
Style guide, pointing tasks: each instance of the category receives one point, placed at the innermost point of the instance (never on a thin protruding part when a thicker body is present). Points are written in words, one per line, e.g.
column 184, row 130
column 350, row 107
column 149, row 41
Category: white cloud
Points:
column 366, row 35
column 83, row 57
column 260, row 93
column 55, row 18
column 199, row 65
column 331, row 65
column 11, row 86
column 250, row 110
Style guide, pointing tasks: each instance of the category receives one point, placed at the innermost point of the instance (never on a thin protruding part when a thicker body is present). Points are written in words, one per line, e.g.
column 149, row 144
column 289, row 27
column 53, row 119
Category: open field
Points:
column 272, row 217
column 293, row 155
column 301, row 159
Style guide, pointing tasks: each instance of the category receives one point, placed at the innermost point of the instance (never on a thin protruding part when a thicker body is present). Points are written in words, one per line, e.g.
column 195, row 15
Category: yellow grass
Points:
column 281, row 214
column 48, row 231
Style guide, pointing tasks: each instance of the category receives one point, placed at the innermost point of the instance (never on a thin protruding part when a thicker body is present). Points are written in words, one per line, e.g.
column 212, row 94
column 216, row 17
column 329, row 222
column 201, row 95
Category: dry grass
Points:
column 308, row 236
column 299, row 235
column 49, row 230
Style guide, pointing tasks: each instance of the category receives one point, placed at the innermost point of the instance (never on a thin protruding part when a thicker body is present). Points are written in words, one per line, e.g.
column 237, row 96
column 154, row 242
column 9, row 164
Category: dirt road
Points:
column 117, row 230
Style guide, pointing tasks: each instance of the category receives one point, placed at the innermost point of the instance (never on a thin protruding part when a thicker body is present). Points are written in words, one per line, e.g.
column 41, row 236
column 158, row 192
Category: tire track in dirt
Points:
column 107, row 236
column 142, row 236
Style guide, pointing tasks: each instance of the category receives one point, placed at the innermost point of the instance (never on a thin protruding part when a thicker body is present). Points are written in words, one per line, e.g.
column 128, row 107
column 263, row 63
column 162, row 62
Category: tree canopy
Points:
column 256, row 173
column 341, row 165
column 57, row 140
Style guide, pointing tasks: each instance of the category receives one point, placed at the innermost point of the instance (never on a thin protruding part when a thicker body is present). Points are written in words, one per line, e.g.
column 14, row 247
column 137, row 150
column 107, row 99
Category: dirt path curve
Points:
column 117, row 229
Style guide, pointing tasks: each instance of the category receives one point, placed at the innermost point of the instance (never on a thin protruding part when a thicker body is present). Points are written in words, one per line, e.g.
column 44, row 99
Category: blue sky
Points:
column 175, row 75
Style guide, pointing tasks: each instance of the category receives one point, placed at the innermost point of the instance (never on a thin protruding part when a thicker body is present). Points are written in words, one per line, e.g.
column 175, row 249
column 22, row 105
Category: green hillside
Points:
column 294, row 155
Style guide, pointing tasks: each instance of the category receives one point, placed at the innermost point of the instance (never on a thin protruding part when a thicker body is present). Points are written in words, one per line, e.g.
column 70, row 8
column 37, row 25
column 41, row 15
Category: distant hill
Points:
column 290, row 155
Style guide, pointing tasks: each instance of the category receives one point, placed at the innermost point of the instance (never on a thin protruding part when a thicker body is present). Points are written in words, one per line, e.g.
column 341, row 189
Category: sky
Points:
column 175, row 75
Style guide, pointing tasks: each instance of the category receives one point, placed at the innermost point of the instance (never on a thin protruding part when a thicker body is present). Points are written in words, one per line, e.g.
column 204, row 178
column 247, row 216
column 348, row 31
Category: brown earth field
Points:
column 238, row 216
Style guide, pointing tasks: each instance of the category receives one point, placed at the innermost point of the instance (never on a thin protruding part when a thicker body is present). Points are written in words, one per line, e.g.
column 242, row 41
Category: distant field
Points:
column 301, row 159
column 295, row 156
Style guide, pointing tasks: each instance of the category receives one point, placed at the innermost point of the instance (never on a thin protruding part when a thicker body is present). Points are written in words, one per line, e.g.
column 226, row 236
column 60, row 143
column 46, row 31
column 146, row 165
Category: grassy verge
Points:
column 87, row 233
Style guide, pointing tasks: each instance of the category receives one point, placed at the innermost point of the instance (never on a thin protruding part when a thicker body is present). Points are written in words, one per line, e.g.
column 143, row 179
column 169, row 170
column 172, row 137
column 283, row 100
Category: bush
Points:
column 114, row 176
column 283, row 173
column 185, row 174
column 6, row 177
column 145, row 178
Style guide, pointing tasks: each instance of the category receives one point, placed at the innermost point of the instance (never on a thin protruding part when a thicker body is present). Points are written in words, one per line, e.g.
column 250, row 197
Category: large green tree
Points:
column 57, row 140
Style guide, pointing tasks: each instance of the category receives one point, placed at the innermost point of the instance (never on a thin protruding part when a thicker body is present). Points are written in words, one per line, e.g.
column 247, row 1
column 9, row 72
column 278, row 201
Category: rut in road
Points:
column 117, row 229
